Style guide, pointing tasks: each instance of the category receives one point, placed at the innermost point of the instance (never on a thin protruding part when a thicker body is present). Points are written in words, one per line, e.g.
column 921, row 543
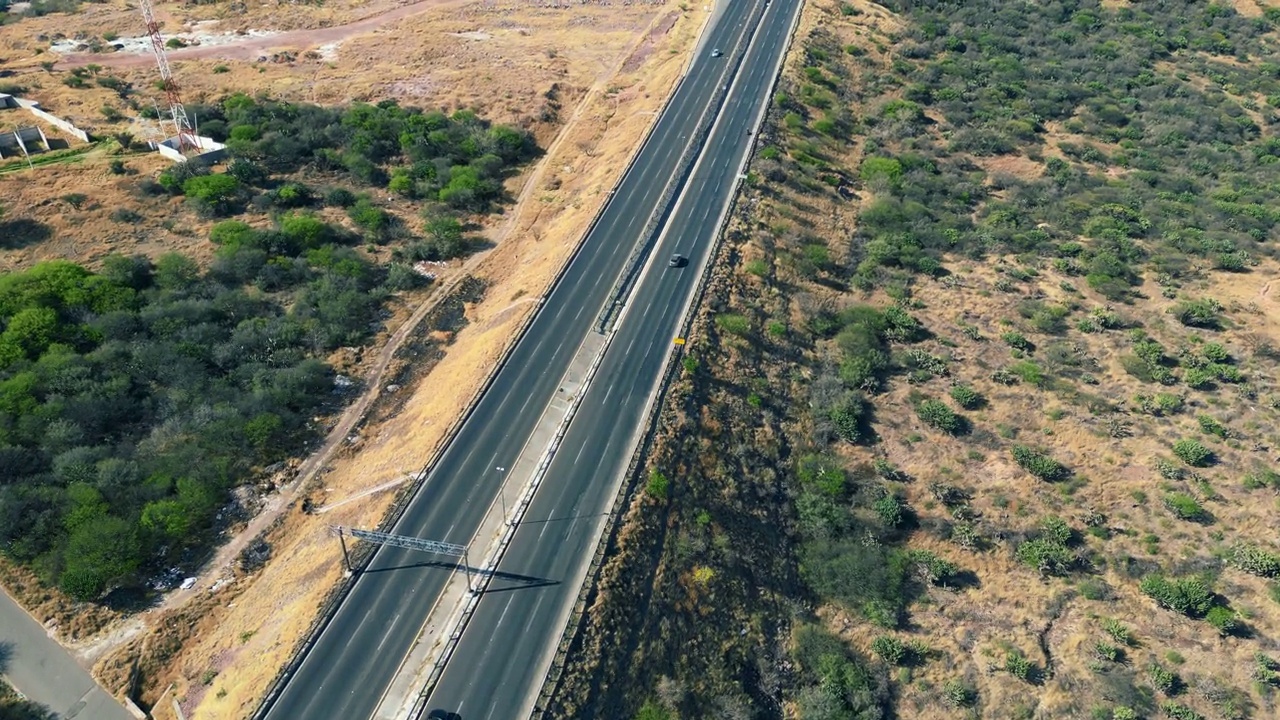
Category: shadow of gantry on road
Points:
column 524, row 582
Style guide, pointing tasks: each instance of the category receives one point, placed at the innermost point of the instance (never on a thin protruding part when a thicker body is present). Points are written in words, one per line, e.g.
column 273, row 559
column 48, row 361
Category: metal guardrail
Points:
column 574, row 627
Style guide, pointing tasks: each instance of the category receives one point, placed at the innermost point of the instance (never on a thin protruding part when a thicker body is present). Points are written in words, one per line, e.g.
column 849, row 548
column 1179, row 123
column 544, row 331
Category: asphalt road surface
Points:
column 38, row 667
column 505, row 650
column 353, row 662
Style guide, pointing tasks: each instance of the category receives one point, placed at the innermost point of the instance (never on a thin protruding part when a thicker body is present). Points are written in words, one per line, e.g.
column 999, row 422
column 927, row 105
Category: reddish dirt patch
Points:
column 638, row 57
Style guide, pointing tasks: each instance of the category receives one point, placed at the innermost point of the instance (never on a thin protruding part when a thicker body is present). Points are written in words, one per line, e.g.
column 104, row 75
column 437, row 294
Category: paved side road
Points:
column 41, row 669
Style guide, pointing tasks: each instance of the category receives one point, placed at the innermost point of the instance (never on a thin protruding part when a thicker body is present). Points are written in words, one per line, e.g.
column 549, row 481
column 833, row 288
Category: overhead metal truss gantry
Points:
column 433, row 547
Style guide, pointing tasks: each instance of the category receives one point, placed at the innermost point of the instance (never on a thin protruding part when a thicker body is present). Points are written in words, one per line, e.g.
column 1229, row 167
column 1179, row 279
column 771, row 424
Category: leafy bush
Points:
column 936, row 414
column 1017, row 341
column 1038, row 463
column 1017, row 665
column 1255, row 560
column 890, row 649
column 958, row 694
column 891, row 510
column 1178, row 711
column 848, row 416
column 1118, row 631
column 657, row 485
column 733, row 324
column 1046, row 556
column 1198, row 313
column 1212, row 426
column 1162, row 404
column 1215, row 353
column 213, row 194
column 967, row 398
column 1190, row 596
column 1185, row 507
column 1193, row 453
column 1226, row 621
column 1166, row 681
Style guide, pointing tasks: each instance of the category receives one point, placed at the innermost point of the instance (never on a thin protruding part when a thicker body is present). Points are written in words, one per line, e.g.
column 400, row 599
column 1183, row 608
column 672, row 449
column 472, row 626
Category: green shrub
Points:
column 1028, row 372
column 930, row 568
column 890, row 649
column 935, row 413
column 1193, row 453
column 1190, row 596
column 733, row 324
column 1226, row 620
column 1038, row 463
column 1198, row 379
column 1198, row 313
column 1215, row 353
column 1017, row 341
column 1159, row 405
column 1185, row 507
column 1255, row 560
column 1118, row 631
column 1104, row 650
column 891, row 510
column 1017, row 665
column 1212, row 426
column 1266, row 670
column 967, row 398
column 651, row 710
column 1166, row 681
column 1046, row 556
column 658, row 485
column 848, row 415
column 958, row 694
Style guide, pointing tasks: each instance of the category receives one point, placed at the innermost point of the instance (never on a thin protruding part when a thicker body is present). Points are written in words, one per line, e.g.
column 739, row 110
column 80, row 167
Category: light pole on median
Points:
column 502, row 495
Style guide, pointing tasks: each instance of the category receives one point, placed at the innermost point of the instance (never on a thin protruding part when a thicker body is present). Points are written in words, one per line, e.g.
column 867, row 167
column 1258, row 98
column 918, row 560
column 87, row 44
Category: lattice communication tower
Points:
column 187, row 139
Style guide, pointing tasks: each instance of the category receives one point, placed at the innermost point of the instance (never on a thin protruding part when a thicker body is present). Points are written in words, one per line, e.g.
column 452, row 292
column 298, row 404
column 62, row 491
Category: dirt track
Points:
column 251, row 48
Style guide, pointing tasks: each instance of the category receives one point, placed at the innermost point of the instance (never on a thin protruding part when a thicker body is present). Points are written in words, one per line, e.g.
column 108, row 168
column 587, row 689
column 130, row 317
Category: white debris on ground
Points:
column 329, row 51
column 142, row 44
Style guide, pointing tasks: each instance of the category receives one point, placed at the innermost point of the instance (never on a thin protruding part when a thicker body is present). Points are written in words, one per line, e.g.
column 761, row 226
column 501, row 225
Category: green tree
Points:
column 100, row 554
column 175, row 271
column 31, row 330
column 213, row 194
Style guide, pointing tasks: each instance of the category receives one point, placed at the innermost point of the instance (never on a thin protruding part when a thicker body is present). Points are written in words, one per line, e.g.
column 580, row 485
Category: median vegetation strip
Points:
column 1024, row 384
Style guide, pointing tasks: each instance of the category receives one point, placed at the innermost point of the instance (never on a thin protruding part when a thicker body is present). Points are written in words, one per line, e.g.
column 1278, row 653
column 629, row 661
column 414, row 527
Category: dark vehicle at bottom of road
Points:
column 443, row 715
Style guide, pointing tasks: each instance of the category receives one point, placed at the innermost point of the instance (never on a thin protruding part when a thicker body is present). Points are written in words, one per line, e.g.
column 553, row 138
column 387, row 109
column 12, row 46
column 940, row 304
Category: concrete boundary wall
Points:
column 20, row 139
column 8, row 101
column 211, row 150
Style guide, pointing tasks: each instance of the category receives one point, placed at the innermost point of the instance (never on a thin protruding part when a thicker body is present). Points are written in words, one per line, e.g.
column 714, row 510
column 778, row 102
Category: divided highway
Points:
column 505, row 652
column 350, row 666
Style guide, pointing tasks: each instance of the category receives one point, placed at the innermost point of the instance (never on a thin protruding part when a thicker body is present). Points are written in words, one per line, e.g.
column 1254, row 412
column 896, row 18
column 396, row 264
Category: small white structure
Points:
column 210, row 150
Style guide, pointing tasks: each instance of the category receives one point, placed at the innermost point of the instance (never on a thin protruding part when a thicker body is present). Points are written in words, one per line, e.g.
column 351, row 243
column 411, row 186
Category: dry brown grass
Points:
column 1013, row 606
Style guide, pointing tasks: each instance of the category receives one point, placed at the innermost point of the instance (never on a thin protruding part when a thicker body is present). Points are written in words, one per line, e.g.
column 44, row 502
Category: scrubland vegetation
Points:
column 980, row 415
column 135, row 397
